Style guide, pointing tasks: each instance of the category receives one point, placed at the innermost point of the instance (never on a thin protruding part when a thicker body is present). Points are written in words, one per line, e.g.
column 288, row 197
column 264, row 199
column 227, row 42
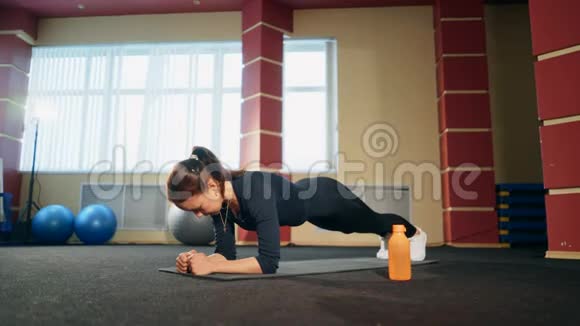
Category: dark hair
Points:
column 189, row 177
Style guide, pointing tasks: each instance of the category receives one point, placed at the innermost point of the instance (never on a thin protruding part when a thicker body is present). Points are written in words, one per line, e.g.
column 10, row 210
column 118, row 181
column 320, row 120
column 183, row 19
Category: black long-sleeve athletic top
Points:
column 267, row 201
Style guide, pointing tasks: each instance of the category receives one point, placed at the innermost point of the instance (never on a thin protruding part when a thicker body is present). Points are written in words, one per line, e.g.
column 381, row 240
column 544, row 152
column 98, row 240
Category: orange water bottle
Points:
column 399, row 255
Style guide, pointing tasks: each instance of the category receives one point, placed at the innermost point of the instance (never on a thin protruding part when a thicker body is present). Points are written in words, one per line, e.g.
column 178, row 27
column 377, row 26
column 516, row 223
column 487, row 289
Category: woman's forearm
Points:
column 214, row 258
column 241, row 266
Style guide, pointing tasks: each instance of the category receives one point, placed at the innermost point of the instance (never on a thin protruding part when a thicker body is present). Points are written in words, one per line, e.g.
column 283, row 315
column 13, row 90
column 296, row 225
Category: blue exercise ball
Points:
column 53, row 224
column 95, row 224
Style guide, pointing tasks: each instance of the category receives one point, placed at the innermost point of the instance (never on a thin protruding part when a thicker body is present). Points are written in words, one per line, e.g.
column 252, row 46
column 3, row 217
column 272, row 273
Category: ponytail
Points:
column 189, row 177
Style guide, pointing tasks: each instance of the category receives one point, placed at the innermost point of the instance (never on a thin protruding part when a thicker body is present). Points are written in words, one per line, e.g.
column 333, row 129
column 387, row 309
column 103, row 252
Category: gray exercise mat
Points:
column 306, row 267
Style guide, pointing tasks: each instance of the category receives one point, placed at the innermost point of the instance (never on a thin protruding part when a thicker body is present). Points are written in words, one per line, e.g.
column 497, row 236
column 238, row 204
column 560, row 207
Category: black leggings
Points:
column 332, row 206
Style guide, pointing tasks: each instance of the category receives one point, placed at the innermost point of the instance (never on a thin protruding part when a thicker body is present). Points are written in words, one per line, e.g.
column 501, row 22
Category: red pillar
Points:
column 264, row 23
column 465, row 124
column 556, row 43
column 17, row 33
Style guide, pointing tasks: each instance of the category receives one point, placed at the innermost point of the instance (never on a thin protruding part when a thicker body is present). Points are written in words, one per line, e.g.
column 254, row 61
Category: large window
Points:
column 127, row 108
column 310, row 126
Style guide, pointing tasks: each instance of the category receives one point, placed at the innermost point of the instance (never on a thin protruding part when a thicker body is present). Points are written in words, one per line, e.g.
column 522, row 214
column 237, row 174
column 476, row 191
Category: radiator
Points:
column 142, row 207
column 386, row 199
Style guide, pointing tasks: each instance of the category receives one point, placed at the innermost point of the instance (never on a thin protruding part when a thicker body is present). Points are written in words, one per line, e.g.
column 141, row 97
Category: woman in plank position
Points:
column 262, row 202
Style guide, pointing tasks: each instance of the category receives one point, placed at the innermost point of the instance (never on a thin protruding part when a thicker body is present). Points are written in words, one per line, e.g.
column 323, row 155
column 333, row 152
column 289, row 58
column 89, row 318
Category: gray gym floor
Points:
column 120, row 285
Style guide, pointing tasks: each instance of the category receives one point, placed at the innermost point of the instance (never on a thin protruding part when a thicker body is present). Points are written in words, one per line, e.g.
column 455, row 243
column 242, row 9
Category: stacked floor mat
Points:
column 522, row 213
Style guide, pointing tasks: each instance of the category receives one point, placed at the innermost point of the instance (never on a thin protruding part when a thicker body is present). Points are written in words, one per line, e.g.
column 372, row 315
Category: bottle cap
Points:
column 399, row 228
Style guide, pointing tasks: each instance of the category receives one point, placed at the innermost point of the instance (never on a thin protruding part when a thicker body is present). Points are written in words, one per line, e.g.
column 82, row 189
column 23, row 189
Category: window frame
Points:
column 217, row 91
column 331, row 112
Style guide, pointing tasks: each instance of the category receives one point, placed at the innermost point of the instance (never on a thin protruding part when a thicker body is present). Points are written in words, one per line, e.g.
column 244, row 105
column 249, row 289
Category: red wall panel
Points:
column 460, row 37
column 15, row 51
column 457, row 9
column 554, row 24
column 464, row 111
column 470, row 227
column 12, row 184
column 10, row 154
column 459, row 148
column 13, row 84
column 11, row 119
column 262, row 148
column 462, row 73
column 563, row 222
column 466, row 189
column 262, row 42
column 262, row 113
column 262, row 77
column 561, row 155
column 255, row 11
column 17, row 19
column 557, row 85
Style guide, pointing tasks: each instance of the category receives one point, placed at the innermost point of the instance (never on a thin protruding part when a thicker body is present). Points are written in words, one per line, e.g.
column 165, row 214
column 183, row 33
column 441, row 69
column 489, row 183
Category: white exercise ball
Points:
column 189, row 229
